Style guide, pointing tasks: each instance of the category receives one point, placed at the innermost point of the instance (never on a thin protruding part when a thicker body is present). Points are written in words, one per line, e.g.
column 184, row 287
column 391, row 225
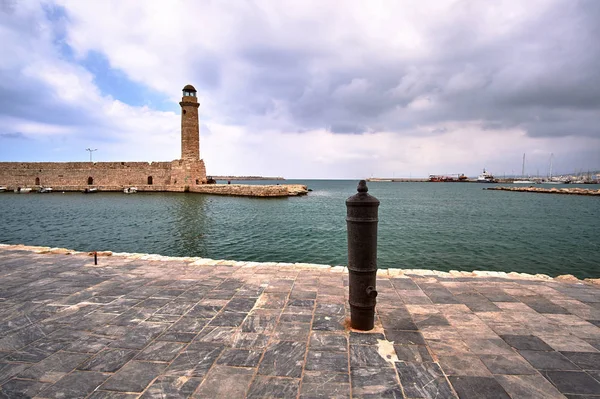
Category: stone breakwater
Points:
column 568, row 191
column 145, row 326
column 244, row 190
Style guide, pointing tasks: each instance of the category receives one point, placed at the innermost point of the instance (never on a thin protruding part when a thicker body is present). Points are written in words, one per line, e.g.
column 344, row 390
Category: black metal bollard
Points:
column 95, row 258
column 361, row 220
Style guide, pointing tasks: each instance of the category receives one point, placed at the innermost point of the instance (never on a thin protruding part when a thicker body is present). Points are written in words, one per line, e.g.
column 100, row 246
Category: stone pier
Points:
column 141, row 326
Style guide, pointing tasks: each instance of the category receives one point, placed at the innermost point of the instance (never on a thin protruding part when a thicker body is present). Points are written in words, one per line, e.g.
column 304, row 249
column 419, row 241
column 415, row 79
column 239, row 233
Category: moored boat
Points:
column 90, row 190
column 3, row 188
column 22, row 190
column 44, row 190
column 486, row 177
column 130, row 190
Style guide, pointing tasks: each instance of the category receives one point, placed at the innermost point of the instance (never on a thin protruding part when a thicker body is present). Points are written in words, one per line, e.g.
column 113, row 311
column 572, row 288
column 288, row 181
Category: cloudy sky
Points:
column 306, row 89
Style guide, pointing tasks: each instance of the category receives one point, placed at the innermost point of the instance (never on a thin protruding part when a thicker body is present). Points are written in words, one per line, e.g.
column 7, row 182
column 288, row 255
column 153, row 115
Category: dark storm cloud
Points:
column 13, row 136
column 541, row 76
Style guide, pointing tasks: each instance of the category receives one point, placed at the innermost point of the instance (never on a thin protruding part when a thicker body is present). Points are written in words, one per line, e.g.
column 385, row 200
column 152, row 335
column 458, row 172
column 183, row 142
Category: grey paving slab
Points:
column 125, row 329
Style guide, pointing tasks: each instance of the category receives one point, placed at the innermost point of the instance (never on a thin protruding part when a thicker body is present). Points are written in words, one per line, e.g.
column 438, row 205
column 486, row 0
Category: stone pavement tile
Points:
column 54, row 367
column 22, row 388
column 21, row 338
column 448, row 347
column 9, row 370
column 328, row 341
column 132, row 317
column 177, row 337
column 357, row 338
column 413, row 353
column 272, row 300
column 228, row 319
column 108, row 360
column 507, row 364
column 404, row 337
column 441, row 333
column 585, row 360
column 476, row 332
column 548, row 360
column 241, row 304
column 242, row 340
column 404, row 284
column 466, row 365
column 429, row 320
column 324, row 385
column 301, row 293
column 292, row 331
column 298, row 310
column 260, row 321
column 526, row 342
column 477, row 302
column 37, row 351
column 171, row 387
column 330, row 309
column 195, row 360
column 295, row 317
column 366, row 356
column 89, row 344
column 573, row 382
column 302, row 302
column 225, row 382
column 328, row 322
column 221, row 335
column 495, row 346
column 188, row 325
column 398, row 323
column 423, row 380
column 595, row 343
column 161, row 351
column 375, row 382
column 477, row 387
column 135, row 376
column 335, row 362
column 163, row 318
column 509, row 328
column 273, row 387
column 112, row 395
column 204, row 311
column 240, row 357
column 176, row 307
column 139, row 336
column 568, row 343
column 76, row 385
column 528, row 386
column 283, row 358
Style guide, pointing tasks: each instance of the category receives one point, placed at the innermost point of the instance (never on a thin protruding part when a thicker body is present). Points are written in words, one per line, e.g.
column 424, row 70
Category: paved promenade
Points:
column 131, row 328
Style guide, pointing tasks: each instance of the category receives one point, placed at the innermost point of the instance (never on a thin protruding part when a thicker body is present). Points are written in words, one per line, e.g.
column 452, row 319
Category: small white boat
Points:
column 3, row 189
column 22, row 190
column 45, row 190
column 130, row 190
column 523, row 182
column 90, row 190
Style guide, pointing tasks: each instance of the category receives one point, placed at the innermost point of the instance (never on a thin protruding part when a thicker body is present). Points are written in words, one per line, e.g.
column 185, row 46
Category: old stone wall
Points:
column 32, row 174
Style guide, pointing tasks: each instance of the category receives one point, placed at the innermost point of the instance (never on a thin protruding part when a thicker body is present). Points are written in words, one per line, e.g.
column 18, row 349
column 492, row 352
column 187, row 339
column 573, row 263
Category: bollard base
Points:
column 362, row 319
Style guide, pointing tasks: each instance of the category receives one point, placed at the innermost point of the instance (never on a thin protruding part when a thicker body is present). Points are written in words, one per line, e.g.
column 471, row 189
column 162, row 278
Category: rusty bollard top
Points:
column 361, row 198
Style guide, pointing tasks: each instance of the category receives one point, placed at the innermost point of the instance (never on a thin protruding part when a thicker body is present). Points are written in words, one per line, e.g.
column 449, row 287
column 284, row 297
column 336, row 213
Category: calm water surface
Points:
column 441, row 226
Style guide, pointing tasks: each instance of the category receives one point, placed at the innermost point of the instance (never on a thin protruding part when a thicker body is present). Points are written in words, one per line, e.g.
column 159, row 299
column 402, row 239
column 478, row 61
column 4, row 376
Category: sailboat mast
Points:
column 523, row 167
column 551, row 157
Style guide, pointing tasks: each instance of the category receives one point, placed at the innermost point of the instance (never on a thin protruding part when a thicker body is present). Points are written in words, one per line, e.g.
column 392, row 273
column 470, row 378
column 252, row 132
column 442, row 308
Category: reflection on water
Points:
column 422, row 225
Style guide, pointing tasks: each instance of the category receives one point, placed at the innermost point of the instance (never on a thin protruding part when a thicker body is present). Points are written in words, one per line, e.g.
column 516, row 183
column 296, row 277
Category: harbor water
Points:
column 441, row 226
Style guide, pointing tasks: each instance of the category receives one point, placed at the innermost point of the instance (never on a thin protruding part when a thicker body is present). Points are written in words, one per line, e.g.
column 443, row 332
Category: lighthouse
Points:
column 190, row 130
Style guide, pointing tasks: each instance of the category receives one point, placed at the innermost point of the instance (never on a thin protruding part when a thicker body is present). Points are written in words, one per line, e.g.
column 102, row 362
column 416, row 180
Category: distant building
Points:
column 178, row 175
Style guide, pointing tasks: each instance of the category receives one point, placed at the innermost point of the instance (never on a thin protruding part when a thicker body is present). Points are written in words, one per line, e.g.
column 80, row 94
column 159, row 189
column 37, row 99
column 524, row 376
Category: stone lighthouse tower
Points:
column 190, row 131
column 189, row 170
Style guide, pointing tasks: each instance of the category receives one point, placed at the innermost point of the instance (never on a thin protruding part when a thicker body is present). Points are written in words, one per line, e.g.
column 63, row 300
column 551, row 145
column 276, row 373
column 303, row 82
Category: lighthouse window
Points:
column 184, row 111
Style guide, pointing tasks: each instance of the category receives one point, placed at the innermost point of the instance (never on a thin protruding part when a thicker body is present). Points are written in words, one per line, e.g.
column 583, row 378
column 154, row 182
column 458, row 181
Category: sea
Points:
column 441, row 226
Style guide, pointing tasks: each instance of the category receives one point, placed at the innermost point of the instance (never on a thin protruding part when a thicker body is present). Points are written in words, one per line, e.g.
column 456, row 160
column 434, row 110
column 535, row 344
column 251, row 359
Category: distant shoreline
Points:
column 247, row 178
